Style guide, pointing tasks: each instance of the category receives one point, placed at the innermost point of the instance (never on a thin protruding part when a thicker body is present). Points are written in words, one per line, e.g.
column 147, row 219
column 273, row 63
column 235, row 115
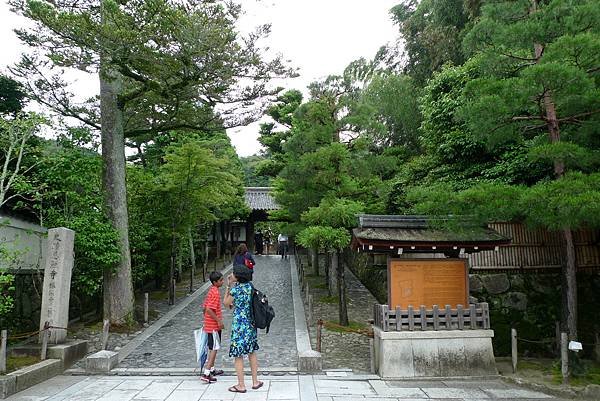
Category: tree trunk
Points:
column 315, row 260
column 205, row 264
column 172, row 270
column 216, row 237
column 569, row 282
column 343, row 308
column 118, row 287
column 333, row 283
column 192, row 259
column 328, row 257
column 569, row 286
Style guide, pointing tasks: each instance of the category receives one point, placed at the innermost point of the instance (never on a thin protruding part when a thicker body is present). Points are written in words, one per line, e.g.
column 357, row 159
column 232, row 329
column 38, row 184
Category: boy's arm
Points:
column 212, row 314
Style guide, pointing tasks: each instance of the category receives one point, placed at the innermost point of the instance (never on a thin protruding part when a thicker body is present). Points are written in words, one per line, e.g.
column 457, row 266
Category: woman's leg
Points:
column 253, row 367
column 239, row 370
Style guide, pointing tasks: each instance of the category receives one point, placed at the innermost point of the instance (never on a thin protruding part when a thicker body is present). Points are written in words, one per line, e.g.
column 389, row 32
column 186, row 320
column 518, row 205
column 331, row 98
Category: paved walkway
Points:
column 172, row 346
column 287, row 388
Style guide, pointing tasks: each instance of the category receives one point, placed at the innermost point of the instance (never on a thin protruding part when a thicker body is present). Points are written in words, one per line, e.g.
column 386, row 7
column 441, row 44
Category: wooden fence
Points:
column 475, row 316
column 537, row 250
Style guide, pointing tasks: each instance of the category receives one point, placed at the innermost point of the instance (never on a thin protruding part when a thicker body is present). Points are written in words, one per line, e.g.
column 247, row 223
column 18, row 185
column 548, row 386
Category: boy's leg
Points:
column 210, row 362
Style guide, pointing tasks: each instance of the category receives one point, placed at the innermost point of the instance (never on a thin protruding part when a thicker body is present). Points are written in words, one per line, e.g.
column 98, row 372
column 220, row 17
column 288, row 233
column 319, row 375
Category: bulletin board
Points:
column 427, row 282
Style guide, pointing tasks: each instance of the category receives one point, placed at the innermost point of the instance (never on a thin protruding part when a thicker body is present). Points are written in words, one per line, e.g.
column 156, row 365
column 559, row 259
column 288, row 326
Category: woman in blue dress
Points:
column 243, row 333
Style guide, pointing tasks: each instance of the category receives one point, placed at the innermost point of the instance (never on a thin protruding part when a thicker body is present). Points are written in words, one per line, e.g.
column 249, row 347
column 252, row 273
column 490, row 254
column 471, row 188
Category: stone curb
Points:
column 558, row 392
column 308, row 360
column 22, row 379
column 149, row 331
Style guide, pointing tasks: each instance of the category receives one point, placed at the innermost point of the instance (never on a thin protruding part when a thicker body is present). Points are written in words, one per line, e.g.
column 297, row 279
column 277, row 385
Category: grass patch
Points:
column 321, row 286
column 158, row 295
column 533, row 365
column 589, row 373
column 329, row 299
column 353, row 327
column 17, row 362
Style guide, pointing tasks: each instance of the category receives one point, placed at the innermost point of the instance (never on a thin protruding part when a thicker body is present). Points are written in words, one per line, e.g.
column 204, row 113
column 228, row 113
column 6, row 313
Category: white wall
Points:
column 25, row 242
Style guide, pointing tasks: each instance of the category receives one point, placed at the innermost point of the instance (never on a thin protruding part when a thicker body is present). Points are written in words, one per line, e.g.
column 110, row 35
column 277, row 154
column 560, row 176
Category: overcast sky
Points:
column 320, row 37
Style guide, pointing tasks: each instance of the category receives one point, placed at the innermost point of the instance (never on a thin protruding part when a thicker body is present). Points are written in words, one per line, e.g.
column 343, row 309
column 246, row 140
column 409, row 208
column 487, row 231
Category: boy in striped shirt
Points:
column 213, row 323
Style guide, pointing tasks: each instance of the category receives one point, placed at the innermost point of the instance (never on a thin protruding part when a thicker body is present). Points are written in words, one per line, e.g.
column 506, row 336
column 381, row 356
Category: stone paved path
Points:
column 173, row 345
column 287, row 388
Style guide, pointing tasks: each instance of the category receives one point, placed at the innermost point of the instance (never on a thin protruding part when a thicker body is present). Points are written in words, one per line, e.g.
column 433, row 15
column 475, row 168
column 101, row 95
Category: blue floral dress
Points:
column 243, row 333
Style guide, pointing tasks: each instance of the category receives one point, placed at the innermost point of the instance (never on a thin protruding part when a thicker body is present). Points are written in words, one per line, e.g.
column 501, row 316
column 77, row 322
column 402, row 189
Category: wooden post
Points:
column 597, row 347
column 371, row 355
column 145, row 307
column 564, row 357
column 45, row 337
column 448, row 317
column 105, row 328
column 473, row 317
column 319, row 328
column 174, row 285
column 3, row 352
column 513, row 346
column 436, row 318
column 461, row 317
column 423, row 318
column 310, row 306
column 557, row 332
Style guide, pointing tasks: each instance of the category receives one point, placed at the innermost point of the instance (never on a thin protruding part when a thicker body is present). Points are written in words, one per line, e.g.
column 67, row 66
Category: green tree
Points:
column 539, row 80
column 162, row 65
column 12, row 97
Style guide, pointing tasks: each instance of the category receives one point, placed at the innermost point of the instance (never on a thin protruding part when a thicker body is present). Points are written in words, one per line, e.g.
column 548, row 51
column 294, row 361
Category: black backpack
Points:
column 262, row 312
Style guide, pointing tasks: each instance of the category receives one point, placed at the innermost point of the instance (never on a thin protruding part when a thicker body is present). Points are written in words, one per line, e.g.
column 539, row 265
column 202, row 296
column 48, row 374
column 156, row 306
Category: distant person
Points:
column 243, row 258
column 258, row 241
column 244, row 339
column 213, row 325
column 282, row 241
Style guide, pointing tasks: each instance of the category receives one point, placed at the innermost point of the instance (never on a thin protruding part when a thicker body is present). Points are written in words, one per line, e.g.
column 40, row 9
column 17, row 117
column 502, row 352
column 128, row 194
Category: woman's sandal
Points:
column 234, row 389
column 259, row 385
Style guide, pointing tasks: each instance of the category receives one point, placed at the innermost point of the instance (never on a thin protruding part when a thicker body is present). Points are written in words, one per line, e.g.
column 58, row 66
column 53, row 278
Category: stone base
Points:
column 8, row 386
column 29, row 376
column 310, row 361
column 101, row 362
column 68, row 353
column 433, row 354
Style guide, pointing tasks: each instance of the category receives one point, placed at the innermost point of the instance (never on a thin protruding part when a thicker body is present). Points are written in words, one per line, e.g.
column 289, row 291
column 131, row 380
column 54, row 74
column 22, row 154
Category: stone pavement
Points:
column 172, row 346
column 286, row 388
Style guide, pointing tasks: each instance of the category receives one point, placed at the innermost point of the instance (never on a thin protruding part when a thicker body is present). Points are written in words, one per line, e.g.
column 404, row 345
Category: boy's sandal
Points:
column 234, row 389
column 259, row 385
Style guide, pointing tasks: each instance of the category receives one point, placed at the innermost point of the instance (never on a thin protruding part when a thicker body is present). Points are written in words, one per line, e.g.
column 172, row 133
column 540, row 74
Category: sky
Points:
column 319, row 37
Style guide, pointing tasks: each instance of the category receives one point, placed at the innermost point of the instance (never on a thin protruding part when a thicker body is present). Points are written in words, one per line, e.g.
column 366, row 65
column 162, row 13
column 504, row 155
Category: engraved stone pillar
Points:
column 57, row 282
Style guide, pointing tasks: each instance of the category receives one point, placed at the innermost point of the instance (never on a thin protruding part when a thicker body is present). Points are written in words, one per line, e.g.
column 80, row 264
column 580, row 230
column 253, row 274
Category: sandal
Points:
column 259, row 385
column 234, row 389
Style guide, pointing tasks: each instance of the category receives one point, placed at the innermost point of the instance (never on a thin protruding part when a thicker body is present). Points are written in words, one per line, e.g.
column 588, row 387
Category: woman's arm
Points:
column 228, row 299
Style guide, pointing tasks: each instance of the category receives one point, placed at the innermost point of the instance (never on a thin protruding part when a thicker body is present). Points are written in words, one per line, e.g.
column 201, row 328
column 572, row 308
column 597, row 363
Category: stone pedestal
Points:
column 57, row 282
column 310, row 361
column 101, row 362
column 433, row 354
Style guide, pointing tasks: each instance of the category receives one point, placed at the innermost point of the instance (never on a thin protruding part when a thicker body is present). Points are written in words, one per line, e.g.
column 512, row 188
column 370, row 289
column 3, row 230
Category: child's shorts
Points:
column 211, row 342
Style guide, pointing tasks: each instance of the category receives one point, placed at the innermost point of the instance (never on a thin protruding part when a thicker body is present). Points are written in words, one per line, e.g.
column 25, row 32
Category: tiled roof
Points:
column 419, row 231
column 259, row 198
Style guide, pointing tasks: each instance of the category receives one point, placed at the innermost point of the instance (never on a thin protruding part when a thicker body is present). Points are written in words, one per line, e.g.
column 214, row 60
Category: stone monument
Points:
column 57, row 283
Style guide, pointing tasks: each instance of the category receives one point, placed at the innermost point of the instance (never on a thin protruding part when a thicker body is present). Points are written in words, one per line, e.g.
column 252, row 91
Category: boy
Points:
column 213, row 322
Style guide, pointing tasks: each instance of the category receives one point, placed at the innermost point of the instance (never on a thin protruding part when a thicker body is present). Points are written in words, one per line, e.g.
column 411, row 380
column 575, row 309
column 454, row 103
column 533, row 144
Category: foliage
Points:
column 339, row 213
column 12, row 97
column 70, row 195
column 431, row 31
column 6, row 290
column 176, row 61
column 324, row 238
column 252, row 177
column 18, row 155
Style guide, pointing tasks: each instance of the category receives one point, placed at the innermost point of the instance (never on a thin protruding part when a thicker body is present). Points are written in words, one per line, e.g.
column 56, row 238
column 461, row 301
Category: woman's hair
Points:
column 242, row 273
column 242, row 279
column 241, row 249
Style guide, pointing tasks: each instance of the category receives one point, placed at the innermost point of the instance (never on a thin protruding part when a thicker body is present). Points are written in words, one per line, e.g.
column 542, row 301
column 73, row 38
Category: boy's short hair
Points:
column 215, row 276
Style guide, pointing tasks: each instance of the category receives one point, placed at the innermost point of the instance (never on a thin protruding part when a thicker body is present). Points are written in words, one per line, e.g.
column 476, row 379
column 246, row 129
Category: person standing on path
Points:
column 244, row 258
column 213, row 325
column 243, row 333
column 282, row 241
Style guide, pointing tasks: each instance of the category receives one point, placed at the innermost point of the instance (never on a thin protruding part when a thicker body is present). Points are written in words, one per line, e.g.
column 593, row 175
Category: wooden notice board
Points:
column 427, row 282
